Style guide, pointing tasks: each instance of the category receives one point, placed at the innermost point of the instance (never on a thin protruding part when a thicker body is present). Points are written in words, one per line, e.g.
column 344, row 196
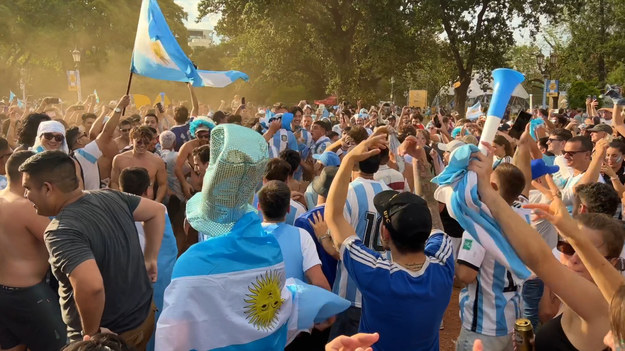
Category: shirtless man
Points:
column 140, row 156
column 201, row 133
column 123, row 139
column 31, row 316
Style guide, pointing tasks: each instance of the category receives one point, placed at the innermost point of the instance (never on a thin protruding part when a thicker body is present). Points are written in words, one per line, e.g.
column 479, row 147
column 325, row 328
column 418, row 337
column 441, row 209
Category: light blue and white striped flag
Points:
column 229, row 293
column 158, row 55
column 474, row 112
column 11, row 95
column 458, row 189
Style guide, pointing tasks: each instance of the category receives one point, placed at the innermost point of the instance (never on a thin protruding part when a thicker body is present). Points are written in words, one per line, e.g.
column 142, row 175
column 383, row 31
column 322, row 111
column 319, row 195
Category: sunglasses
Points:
column 567, row 249
column 202, row 135
column 572, row 153
column 58, row 137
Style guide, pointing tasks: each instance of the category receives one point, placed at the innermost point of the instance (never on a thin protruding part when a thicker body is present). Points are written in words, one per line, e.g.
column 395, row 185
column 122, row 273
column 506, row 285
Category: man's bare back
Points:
column 152, row 163
column 23, row 254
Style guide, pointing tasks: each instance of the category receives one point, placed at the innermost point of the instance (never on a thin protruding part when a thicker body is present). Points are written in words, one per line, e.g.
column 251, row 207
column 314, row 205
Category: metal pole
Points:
column 79, row 83
column 545, row 94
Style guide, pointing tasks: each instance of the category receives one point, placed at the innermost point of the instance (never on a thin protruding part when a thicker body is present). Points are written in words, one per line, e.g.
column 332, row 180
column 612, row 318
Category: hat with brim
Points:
column 601, row 128
column 238, row 157
column 403, row 212
column 321, row 184
column 450, row 146
column 328, row 158
column 539, row 168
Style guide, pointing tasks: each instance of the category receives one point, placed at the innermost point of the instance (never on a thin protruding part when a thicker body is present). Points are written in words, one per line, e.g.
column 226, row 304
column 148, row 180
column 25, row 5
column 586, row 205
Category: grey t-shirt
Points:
column 100, row 226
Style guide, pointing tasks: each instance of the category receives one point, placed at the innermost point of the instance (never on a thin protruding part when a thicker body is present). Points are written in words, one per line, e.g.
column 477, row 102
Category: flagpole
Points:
column 128, row 89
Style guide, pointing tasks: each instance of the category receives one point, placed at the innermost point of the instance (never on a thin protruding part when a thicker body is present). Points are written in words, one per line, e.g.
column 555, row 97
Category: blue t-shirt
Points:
column 328, row 263
column 405, row 307
column 182, row 135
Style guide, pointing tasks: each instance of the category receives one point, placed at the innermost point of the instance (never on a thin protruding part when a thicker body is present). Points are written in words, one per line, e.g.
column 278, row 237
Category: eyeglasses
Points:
column 572, row 153
column 202, row 135
column 58, row 137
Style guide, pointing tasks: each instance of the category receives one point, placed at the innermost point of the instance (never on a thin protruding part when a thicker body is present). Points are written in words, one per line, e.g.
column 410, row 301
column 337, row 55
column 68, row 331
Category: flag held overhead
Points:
column 158, row 55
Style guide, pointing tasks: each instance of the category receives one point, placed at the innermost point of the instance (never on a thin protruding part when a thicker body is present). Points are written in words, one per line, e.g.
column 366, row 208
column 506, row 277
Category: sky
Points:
column 190, row 6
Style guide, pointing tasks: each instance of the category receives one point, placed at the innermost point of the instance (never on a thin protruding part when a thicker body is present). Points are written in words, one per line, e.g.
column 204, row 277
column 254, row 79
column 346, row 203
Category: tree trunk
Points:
column 460, row 95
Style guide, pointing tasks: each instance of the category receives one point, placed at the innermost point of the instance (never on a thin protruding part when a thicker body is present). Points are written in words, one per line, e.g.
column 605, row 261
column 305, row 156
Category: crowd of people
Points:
column 107, row 207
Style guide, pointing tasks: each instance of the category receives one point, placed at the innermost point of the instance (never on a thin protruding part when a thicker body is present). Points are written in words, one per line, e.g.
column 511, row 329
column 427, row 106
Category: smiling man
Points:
column 140, row 156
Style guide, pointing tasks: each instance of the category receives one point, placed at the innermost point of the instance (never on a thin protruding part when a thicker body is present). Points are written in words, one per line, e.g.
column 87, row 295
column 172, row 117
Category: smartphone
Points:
column 519, row 124
column 160, row 107
column 243, row 101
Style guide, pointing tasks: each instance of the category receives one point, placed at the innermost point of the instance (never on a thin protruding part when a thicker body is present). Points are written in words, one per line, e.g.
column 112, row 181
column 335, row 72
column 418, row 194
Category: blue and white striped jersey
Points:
column 492, row 303
column 363, row 217
column 282, row 140
column 320, row 145
column 304, row 144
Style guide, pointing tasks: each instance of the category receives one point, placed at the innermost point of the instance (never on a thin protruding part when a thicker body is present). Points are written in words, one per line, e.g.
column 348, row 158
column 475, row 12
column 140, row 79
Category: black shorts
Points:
column 32, row 317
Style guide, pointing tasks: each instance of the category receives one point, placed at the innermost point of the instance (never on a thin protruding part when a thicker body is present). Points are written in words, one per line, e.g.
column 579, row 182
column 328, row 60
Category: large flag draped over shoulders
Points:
column 458, row 189
column 158, row 55
column 230, row 293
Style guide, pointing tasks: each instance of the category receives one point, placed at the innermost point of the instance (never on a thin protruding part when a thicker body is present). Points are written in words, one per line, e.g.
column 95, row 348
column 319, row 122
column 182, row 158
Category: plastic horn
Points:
column 505, row 81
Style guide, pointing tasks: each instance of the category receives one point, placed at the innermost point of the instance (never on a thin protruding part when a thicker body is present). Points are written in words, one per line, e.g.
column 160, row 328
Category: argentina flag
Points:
column 458, row 189
column 474, row 112
column 157, row 54
column 229, row 293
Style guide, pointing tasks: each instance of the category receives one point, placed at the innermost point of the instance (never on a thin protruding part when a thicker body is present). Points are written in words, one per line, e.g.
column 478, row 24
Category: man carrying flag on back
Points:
column 230, row 292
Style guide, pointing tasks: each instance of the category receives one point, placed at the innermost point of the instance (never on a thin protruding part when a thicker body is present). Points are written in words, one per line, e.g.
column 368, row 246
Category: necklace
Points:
column 413, row 266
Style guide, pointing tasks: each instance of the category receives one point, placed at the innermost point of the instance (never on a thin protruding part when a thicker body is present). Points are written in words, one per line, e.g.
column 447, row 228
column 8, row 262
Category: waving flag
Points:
column 157, row 54
column 458, row 189
column 230, row 293
column 474, row 112
column 11, row 96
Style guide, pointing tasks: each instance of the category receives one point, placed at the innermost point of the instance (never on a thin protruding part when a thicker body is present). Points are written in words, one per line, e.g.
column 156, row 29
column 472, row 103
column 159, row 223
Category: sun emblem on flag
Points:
column 264, row 300
column 159, row 51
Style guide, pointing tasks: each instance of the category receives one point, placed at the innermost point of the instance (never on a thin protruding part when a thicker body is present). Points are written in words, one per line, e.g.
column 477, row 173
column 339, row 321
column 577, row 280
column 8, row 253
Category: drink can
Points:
column 523, row 335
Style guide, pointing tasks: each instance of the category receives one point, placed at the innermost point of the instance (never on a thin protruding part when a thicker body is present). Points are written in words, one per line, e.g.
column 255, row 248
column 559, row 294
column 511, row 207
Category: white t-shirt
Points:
column 392, row 178
column 88, row 157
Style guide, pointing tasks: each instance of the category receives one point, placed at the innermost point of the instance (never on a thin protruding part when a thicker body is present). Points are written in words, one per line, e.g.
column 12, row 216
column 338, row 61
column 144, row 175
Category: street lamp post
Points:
column 76, row 57
column 545, row 68
column 23, row 83
column 392, row 86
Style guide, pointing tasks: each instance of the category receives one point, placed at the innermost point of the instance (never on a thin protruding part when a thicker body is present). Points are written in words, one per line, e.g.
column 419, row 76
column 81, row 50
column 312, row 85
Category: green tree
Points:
column 479, row 32
column 40, row 34
column 348, row 48
column 579, row 91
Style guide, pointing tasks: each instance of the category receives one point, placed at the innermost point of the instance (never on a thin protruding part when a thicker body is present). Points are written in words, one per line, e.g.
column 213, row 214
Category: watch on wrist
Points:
column 118, row 110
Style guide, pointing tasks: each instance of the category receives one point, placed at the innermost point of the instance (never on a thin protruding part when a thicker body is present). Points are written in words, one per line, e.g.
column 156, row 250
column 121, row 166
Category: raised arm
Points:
column 98, row 124
column 340, row 229
column 580, row 294
column 105, row 137
column 592, row 173
column 617, row 119
column 523, row 160
column 607, row 278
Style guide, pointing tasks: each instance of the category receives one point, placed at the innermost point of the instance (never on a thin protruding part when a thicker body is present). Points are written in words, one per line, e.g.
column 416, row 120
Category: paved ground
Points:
column 451, row 321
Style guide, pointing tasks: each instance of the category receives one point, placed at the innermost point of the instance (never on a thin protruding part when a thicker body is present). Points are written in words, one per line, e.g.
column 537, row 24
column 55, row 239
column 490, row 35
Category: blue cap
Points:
column 539, row 168
column 328, row 158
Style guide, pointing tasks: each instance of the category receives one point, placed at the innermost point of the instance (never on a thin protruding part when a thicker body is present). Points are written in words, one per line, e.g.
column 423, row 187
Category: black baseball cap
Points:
column 404, row 213
column 321, row 184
